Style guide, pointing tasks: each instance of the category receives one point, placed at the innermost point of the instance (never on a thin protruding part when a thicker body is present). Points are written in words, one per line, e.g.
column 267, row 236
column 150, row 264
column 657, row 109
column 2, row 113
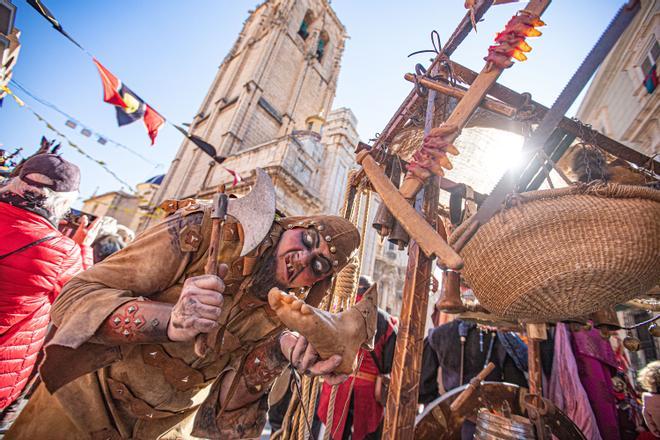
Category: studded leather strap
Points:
column 136, row 322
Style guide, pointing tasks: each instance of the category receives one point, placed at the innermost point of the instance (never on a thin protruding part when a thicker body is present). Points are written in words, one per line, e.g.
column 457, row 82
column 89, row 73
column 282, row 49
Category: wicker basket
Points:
column 561, row 253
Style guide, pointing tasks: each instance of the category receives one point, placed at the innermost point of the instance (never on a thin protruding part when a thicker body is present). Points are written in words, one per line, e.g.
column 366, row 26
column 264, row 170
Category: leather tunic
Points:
column 147, row 391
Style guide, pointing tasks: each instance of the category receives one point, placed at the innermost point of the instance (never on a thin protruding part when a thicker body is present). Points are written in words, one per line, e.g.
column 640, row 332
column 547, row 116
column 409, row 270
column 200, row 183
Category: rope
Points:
column 302, row 415
column 331, row 413
column 299, row 414
column 286, row 423
column 311, row 409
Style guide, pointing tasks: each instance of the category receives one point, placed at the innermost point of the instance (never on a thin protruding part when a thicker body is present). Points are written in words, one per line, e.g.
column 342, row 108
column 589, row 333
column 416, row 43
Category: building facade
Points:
column 120, row 205
column 266, row 106
column 9, row 43
column 622, row 101
column 130, row 210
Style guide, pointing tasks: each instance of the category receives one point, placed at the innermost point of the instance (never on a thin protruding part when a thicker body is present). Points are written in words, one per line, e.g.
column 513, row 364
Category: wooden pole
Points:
column 462, row 30
column 401, row 407
column 515, row 99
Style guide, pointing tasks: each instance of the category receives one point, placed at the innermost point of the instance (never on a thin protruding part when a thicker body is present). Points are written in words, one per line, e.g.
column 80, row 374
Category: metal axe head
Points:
column 255, row 211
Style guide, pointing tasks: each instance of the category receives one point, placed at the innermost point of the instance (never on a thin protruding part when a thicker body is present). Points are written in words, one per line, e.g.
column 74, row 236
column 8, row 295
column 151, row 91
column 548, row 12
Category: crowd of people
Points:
column 120, row 362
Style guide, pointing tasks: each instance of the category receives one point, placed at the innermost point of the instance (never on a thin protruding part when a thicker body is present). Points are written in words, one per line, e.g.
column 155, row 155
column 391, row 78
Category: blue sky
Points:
column 168, row 52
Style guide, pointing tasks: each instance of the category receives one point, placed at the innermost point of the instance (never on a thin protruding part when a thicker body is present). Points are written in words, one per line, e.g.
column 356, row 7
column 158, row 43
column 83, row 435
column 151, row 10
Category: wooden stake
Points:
column 535, row 334
column 401, row 407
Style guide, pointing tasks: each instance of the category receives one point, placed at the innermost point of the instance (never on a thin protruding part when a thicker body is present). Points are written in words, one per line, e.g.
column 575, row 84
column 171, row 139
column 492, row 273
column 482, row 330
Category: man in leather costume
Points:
column 120, row 362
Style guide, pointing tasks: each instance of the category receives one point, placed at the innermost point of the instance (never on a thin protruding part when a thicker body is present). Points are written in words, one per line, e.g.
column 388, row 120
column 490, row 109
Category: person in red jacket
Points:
column 36, row 260
column 359, row 403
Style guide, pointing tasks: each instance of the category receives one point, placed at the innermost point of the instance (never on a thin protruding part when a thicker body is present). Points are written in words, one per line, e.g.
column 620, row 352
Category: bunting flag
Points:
column 129, row 106
column 201, row 144
column 210, row 150
column 237, row 177
column 45, row 144
column 73, row 122
column 45, row 13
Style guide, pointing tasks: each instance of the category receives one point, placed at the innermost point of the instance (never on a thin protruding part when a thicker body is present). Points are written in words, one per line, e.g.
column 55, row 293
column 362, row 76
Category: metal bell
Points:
column 631, row 343
column 399, row 236
column 383, row 221
column 654, row 329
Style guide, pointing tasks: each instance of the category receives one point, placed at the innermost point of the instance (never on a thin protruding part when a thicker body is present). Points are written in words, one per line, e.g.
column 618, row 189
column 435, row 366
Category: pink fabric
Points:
column 566, row 390
column 596, row 365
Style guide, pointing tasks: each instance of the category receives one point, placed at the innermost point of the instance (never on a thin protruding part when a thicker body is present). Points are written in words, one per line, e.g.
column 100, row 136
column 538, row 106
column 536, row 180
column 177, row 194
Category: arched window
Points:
column 306, row 23
column 322, row 45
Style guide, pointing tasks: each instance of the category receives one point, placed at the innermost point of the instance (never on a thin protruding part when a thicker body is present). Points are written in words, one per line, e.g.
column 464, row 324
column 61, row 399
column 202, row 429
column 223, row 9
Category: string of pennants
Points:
column 86, row 130
column 72, row 144
column 128, row 105
column 151, row 211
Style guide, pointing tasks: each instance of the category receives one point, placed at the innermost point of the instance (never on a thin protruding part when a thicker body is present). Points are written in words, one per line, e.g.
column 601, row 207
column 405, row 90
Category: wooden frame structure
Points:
column 483, row 91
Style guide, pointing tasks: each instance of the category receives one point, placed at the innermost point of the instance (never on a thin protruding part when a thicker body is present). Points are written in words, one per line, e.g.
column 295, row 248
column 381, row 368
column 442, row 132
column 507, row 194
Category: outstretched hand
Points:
column 85, row 235
column 304, row 358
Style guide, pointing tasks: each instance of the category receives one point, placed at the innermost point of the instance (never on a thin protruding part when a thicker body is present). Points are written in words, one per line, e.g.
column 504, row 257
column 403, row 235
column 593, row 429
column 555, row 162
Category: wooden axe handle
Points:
column 204, row 341
column 457, row 404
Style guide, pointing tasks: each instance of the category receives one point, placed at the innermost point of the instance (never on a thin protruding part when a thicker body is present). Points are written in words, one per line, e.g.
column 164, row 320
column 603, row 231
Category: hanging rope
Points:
column 331, row 412
column 300, row 414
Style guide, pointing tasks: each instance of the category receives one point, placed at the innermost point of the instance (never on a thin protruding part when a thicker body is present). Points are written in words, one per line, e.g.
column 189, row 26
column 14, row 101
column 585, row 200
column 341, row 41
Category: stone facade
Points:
column 281, row 71
column 117, row 204
column 130, row 210
column 617, row 102
column 10, row 45
column 619, row 105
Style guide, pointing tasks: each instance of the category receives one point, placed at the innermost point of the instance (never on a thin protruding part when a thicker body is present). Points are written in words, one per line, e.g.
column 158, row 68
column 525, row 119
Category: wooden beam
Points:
column 445, row 89
column 515, row 99
column 401, row 407
column 535, row 334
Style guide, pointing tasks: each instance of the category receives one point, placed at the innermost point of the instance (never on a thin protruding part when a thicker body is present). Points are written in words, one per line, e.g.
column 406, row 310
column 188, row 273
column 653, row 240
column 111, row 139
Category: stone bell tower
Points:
column 260, row 108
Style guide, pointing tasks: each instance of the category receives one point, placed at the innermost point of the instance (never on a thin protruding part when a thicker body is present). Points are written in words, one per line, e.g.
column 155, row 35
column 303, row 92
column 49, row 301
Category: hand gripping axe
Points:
column 255, row 212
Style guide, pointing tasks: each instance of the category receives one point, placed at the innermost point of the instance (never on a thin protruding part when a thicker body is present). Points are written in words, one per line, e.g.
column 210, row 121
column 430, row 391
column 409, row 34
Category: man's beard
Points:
column 263, row 278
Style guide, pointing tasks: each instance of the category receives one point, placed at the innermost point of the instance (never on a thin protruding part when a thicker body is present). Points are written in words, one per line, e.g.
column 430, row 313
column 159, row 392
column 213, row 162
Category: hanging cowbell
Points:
column 383, row 221
column 399, row 236
column 631, row 343
column 605, row 319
